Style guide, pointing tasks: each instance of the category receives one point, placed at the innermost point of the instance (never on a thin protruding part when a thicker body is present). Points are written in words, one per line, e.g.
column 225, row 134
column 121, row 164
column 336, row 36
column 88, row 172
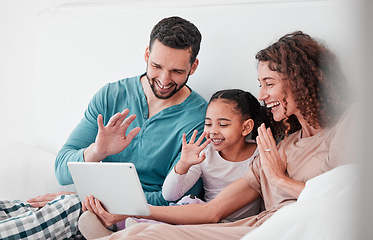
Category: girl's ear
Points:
column 248, row 126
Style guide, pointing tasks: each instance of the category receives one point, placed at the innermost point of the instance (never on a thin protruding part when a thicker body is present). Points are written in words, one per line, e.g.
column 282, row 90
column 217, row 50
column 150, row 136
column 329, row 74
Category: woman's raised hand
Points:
column 190, row 153
column 111, row 139
column 273, row 163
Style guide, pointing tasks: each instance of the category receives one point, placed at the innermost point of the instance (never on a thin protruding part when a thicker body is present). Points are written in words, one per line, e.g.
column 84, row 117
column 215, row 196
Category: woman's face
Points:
column 272, row 92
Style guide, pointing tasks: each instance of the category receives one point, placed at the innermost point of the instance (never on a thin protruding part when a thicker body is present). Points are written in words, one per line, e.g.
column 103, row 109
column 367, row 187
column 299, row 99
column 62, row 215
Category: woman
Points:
column 302, row 86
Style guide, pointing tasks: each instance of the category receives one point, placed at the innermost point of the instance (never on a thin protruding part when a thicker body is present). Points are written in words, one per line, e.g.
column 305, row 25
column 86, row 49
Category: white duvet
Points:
column 326, row 209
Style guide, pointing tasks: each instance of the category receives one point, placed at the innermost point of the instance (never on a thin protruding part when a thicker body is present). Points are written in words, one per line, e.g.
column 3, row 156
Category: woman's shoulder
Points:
column 350, row 116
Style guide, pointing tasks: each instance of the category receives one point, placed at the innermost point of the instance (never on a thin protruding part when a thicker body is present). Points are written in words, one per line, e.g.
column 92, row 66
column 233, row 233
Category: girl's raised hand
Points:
column 273, row 163
column 190, row 153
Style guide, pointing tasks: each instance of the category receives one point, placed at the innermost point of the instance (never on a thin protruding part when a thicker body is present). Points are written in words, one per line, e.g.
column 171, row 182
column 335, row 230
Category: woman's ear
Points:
column 248, row 126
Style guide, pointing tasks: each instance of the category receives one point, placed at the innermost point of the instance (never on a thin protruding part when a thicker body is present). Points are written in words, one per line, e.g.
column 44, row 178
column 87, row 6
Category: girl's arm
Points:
column 187, row 171
column 190, row 153
column 176, row 185
column 274, row 164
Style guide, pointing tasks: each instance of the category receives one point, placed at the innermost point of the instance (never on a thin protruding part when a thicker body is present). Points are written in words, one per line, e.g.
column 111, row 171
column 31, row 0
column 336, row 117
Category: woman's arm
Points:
column 233, row 197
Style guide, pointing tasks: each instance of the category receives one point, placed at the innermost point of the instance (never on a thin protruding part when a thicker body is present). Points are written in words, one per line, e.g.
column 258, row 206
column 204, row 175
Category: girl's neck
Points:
column 241, row 152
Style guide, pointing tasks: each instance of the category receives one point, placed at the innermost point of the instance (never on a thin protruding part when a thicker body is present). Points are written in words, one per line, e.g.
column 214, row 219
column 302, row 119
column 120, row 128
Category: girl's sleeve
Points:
column 176, row 185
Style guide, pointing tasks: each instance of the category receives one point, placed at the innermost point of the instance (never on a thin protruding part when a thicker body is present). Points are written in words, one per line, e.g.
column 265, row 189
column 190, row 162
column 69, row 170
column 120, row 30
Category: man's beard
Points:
column 159, row 96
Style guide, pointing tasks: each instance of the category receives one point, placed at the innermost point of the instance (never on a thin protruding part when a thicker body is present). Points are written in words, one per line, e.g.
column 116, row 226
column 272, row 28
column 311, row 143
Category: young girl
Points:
column 232, row 119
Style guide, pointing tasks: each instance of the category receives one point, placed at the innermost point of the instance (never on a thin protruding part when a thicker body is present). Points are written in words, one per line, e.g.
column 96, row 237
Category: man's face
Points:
column 168, row 69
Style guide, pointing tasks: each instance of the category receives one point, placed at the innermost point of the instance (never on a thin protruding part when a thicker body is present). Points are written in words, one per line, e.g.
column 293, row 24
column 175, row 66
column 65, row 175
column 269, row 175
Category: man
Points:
column 162, row 108
column 163, row 105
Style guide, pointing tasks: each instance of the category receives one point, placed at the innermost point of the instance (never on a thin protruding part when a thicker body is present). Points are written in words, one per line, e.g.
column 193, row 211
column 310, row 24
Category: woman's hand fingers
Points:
column 265, row 139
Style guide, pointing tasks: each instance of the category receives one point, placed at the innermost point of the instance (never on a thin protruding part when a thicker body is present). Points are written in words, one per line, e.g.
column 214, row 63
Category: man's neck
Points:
column 155, row 104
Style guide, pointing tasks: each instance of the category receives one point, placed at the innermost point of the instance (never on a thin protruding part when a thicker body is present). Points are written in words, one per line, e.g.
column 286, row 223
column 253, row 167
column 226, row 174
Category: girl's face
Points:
column 272, row 92
column 224, row 126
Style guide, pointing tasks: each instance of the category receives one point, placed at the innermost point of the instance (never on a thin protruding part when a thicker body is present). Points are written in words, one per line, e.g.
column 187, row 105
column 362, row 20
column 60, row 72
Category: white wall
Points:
column 80, row 47
column 56, row 54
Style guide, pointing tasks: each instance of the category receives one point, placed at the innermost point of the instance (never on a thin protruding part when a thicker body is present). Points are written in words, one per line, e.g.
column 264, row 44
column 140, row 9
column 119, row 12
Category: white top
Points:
column 216, row 173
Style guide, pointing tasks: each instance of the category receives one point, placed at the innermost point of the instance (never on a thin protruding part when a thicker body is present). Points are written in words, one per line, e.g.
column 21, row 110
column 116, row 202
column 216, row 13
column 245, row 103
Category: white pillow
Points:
column 326, row 209
column 26, row 172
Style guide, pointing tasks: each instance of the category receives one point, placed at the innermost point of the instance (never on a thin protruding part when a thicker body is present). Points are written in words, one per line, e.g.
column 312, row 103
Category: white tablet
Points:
column 116, row 185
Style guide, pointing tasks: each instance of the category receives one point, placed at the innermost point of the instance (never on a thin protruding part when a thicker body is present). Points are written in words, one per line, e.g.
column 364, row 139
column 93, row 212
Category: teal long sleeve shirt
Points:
column 155, row 149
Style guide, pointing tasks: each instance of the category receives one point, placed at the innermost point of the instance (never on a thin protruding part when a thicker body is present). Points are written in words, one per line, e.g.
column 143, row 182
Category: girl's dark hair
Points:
column 312, row 73
column 247, row 106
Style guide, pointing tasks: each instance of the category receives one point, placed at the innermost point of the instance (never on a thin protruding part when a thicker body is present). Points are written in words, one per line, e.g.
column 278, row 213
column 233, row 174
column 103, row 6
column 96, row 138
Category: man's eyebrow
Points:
column 178, row 70
column 174, row 69
column 154, row 63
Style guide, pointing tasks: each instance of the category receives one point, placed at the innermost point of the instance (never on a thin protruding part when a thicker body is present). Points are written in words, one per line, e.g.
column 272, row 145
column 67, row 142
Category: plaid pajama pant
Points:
column 57, row 220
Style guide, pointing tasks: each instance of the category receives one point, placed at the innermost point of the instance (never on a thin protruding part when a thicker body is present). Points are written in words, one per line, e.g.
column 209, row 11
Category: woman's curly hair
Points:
column 313, row 75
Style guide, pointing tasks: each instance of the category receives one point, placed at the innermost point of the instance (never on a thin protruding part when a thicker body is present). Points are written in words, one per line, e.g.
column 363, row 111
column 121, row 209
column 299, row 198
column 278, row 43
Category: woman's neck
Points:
column 239, row 153
column 307, row 129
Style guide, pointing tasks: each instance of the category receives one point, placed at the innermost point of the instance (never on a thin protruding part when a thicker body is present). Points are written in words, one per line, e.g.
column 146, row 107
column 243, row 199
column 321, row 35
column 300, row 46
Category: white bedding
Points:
column 326, row 209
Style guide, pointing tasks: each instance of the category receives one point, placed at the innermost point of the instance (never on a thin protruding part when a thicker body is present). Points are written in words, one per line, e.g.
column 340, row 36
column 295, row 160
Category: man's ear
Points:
column 194, row 66
column 248, row 126
column 147, row 54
